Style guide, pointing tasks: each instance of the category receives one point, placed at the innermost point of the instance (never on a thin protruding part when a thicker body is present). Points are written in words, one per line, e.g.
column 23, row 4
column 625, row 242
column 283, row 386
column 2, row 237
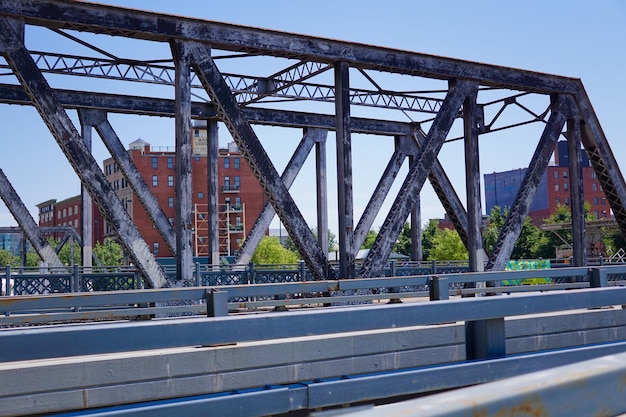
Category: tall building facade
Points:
column 553, row 190
column 240, row 197
column 67, row 213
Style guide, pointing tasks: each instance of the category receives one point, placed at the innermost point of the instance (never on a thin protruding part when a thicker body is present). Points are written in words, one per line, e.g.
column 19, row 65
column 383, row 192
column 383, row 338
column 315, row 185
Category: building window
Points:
column 76, row 223
column 594, row 186
column 556, row 174
column 69, row 211
column 155, row 248
column 558, row 201
column 59, row 215
column 603, row 201
column 593, row 174
column 155, row 181
column 556, row 186
column 565, row 174
column 238, row 203
column 155, row 162
column 196, row 133
column 604, row 214
column 237, row 162
column 238, row 241
column 170, row 180
column 171, row 220
column 64, row 213
column 226, row 163
column 565, row 186
column 237, row 182
column 227, row 183
column 567, row 201
column 238, row 221
column 200, row 195
column 170, row 201
column 170, row 162
column 597, row 214
column 595, row 201
column 197, row 157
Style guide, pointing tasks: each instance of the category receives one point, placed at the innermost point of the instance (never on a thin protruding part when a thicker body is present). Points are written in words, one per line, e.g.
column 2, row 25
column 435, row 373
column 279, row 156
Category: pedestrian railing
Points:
column 216, row 300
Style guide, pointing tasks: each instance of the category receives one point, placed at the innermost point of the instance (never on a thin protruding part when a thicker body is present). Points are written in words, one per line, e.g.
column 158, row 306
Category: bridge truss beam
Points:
column 273, row 99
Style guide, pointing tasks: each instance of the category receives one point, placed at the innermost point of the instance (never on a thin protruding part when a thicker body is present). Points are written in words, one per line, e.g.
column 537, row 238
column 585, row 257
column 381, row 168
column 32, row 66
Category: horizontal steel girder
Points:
column 160, row 27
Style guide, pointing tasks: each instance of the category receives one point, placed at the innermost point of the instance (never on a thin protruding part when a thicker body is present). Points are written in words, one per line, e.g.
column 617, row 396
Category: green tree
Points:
column 369, row 239
column 404, row 244
column 527, row 241
column 270, row 251
column 447, row 245
column 428, row 234
column 65, row 254
column 32, row 258
column 548, row 241
column 7, row 259
column 109, row 253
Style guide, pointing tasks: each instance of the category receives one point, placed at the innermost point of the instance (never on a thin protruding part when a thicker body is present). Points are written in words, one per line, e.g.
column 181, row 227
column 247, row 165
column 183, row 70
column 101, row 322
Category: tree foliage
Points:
column 270, row 251
column 369, row 239
column 404, row 244
column 447, row 245
column 7, row 259
column 527, row 242
column 109, row 253
column 428, row 234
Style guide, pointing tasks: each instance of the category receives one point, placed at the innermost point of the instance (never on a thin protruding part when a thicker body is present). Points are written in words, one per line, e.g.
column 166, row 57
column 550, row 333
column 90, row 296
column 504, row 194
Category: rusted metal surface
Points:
column 345, row 200
column 577, row 205
column 184, row 148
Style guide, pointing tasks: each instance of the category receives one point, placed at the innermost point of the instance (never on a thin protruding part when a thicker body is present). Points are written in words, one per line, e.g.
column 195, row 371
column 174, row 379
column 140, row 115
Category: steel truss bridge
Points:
column 214, row 71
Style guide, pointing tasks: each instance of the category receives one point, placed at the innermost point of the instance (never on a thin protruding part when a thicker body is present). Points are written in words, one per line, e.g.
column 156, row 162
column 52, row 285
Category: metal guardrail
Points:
column 588, row 388
column 219, row 300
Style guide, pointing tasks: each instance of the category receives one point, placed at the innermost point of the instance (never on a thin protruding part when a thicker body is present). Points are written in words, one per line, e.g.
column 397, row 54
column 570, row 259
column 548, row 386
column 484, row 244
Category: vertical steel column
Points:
column 416, row 227
column 321, row 186
column 213, row 149
column 184, row 208
column 344, row 170
column 577, row 200
column 472, row 185
column 86, row 206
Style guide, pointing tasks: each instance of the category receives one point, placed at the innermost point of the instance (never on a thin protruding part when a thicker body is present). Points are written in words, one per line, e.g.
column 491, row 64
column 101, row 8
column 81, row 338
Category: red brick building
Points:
column 53, row 213
column 552, row 191
column 240, row 197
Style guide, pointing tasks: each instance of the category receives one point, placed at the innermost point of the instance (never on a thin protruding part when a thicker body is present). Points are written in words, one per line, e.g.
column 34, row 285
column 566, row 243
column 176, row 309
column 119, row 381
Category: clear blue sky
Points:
column 574, row 38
